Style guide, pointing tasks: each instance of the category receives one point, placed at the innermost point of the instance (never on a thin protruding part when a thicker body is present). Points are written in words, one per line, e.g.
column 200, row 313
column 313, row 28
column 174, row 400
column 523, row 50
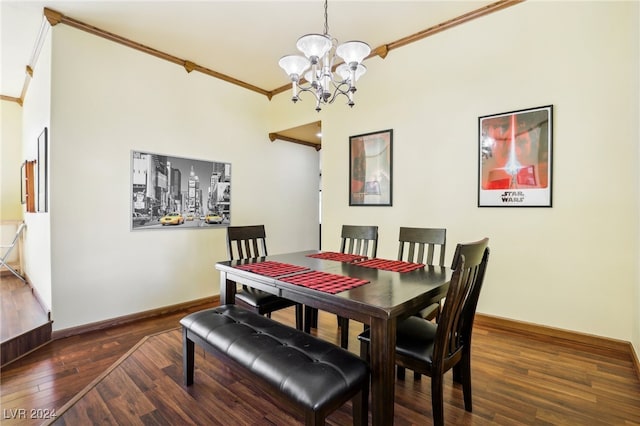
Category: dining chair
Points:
column 361, row 240
column 246, row 242
column 354, row 239
column 423, row 245
column 433, row 349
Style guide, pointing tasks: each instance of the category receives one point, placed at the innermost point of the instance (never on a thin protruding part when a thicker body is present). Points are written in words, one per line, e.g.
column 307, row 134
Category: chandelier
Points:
column 317, row 66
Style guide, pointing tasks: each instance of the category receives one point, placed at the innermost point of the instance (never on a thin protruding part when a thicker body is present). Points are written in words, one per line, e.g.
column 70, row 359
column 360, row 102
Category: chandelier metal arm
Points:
column 320, row 94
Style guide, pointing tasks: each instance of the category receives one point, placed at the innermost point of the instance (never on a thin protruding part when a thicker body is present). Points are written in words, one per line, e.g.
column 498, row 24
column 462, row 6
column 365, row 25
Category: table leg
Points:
column 227, row 290
column 382, row 359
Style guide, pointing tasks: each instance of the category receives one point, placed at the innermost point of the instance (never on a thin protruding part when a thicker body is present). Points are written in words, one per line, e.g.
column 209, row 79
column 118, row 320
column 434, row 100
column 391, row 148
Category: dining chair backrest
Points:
column 361, row 240
column 419, row 245
column 246, row 242
column 249, row 242
column 456, row 319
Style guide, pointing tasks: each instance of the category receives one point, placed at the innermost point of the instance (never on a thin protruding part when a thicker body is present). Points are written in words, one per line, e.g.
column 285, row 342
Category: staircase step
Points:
column 21, row 345
column 18, row 346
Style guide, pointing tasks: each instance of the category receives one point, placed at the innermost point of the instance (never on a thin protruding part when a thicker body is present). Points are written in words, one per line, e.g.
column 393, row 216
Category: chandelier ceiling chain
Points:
column 314, row 72
column 326, row 17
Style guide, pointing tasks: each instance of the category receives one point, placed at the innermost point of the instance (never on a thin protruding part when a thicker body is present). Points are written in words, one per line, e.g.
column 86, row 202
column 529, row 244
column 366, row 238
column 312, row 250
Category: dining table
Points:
column 375, row 292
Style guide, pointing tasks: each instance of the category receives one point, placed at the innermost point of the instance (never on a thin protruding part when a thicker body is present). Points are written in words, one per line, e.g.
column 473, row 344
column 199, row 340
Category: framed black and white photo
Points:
column 370, row 169
column 514, row 153
column 175, row 192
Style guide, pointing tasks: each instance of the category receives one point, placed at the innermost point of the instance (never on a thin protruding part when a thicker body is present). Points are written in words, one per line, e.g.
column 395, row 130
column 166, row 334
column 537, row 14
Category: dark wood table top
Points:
column 387, row 295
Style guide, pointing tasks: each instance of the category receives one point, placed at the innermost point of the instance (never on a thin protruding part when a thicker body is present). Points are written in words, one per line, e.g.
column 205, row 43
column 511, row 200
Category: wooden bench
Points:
column 308, row 373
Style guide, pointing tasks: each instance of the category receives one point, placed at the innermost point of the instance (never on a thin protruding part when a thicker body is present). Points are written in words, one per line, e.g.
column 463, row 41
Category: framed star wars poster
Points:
column 515, row 157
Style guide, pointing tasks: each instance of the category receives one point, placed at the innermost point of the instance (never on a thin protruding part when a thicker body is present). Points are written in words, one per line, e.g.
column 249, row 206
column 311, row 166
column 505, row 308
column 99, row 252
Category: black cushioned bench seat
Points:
column 311, row 374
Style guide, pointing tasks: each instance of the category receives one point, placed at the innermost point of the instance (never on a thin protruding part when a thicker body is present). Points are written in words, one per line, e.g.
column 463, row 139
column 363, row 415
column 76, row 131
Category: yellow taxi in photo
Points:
column 212, row 218
column 174, row 218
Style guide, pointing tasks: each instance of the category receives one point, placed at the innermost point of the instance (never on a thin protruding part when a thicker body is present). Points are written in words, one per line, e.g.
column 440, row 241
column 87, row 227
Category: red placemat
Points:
column 323, row 281
column 271, row 269
column 391, row 265
column 340, row 257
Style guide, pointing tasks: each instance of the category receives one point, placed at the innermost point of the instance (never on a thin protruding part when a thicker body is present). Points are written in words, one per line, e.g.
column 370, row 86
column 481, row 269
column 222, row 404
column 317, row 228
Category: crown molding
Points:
column 54, row 18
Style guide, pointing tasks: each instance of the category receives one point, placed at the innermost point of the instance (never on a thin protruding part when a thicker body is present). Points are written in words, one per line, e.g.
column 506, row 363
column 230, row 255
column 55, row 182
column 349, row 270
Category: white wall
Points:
column 109, row 100
column 573, row 266
column 634, row 87
column 11, row 160
column 36, row 115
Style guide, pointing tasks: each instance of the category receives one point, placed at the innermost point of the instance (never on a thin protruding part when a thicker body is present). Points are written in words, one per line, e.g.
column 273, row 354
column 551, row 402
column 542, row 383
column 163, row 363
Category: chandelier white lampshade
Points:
column 344, row 71
column 294, row 65
column 320, row 52
column 314, row 46
column 347, row 73
column 353, row 51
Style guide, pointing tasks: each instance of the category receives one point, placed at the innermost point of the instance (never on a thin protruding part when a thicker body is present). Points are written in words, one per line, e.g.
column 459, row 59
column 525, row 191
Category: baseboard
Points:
column 4, row 271
column 126, row 319
column 33, row 291
column 636, row 362
column 542, row 331
column 39, row 299
column 618, row 348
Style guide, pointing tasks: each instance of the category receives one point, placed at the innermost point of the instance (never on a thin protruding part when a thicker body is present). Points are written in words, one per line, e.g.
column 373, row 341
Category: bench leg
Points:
column 313, row 418
column 188, row 355
column 360, row 406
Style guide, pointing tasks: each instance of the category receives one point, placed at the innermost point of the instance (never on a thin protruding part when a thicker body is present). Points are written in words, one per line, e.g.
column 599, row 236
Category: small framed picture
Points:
column 371, row 169
column 23, row 183
column 42, row 178
column 515, row 157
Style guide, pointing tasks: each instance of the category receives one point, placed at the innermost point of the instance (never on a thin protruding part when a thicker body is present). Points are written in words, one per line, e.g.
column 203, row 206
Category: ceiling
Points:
column 241, row 39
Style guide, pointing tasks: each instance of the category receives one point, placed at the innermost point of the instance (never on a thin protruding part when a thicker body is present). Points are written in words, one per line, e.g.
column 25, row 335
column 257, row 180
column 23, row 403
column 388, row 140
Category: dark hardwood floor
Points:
column 25, row 325
column 517, row 380
column 21, row 311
